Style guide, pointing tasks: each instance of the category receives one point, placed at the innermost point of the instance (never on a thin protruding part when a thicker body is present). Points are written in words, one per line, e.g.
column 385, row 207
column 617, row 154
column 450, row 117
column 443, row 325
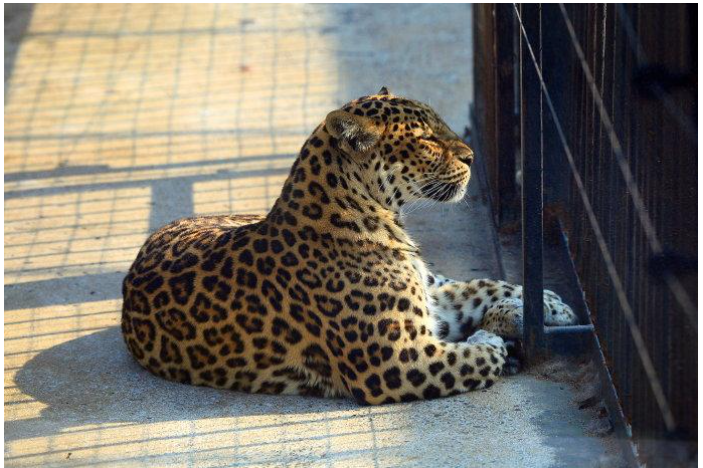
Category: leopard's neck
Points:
column 326, row 191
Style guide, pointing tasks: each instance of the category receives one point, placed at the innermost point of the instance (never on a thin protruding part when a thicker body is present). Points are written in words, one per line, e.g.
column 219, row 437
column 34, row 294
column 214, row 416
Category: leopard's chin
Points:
column 459, row 195
column 445, row 192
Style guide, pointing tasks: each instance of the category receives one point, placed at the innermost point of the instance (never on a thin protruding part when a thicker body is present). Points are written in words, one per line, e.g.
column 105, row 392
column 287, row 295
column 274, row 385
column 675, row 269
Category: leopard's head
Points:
column 403, row 149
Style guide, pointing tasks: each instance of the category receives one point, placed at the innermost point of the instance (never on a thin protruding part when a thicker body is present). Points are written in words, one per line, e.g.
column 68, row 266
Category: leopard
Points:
column 327, row 294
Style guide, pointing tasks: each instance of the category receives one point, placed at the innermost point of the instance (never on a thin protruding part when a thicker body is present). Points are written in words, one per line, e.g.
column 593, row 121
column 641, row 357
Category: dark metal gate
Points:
column 604, row 99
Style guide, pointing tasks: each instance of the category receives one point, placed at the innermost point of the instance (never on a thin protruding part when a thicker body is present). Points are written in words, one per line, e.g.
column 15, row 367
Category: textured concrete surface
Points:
column 120, row 118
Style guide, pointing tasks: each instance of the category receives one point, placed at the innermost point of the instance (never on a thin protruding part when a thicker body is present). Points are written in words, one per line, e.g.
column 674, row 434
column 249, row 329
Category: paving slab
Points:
column 120, row 118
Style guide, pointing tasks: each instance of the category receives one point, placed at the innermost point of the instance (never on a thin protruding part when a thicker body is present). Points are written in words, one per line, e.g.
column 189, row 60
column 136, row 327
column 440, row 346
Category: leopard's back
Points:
column 177, row 288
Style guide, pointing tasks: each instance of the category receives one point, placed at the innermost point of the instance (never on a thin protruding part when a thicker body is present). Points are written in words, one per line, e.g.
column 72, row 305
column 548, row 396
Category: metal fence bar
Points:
column 598, row 64
column 675, row 286
column 531, row 154
column 504, row 37
column 638, row 340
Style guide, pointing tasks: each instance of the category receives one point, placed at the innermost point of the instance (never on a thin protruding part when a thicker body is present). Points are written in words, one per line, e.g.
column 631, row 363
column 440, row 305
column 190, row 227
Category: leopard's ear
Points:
column 355, row 132
column 384, row 92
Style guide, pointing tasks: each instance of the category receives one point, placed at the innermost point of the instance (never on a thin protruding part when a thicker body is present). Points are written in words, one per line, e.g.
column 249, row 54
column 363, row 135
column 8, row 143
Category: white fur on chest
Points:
column 433, row 324
column 421, row 269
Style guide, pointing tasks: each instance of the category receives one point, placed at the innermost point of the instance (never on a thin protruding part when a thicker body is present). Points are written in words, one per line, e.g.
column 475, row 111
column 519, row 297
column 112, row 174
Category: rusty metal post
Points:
column 531, row 153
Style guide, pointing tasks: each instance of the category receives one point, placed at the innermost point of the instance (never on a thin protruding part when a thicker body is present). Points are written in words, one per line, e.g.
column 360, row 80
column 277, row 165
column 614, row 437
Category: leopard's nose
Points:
column 466, row 156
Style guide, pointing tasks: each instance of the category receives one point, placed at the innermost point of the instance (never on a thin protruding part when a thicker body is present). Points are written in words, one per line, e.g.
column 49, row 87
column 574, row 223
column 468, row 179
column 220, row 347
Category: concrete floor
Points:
column 120, row 118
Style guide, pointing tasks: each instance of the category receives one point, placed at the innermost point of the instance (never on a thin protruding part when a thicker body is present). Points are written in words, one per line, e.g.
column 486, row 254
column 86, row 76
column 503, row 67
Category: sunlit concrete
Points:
column 120, row 118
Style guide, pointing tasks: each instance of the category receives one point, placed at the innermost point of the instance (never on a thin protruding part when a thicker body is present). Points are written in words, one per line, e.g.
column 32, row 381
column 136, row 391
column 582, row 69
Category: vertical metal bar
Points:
column 531, row 153
column 483, row 137
column 505, row 112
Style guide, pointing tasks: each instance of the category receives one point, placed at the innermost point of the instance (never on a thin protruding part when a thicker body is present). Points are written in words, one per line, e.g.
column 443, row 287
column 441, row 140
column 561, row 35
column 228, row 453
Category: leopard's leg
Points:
column 504, row 318
column 401, row 363
column 459, row 308
column 298, row 380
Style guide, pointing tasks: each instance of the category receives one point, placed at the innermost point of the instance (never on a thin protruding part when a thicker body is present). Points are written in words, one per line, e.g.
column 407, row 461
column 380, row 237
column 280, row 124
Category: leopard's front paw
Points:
column 484, row 337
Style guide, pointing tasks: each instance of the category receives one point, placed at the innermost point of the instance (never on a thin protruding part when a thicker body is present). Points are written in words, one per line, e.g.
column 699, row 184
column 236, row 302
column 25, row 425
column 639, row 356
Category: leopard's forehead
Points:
column 395, row 109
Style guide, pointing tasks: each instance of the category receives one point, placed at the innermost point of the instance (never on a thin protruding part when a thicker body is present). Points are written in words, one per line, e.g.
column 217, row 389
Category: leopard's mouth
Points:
column 444, row 191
